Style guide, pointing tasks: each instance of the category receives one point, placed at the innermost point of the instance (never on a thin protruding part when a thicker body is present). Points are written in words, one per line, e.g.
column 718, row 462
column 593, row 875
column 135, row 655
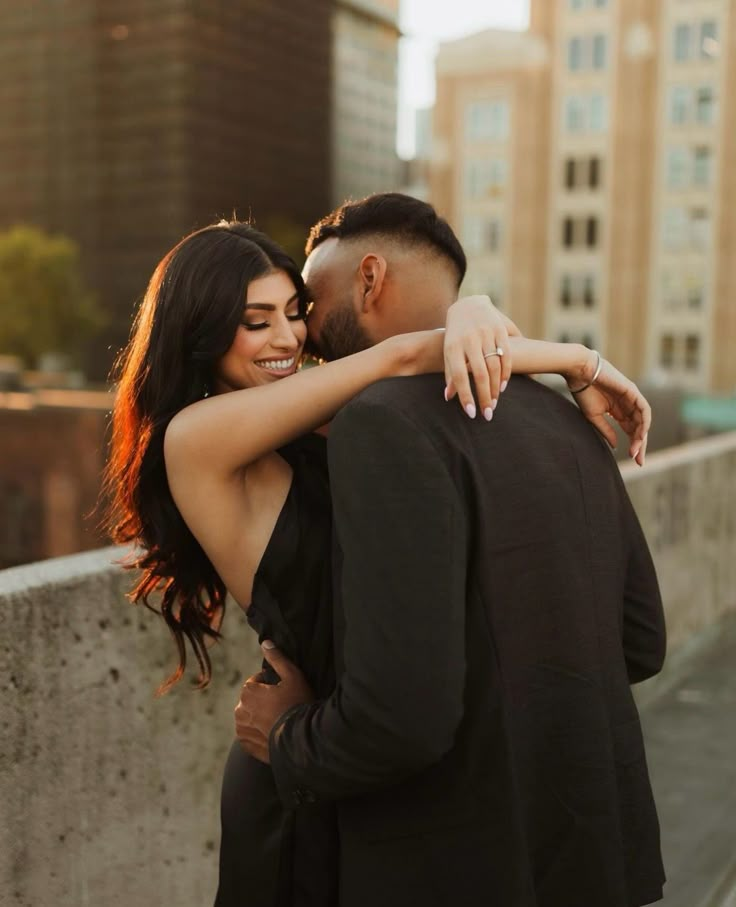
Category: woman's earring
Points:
column 206, row 392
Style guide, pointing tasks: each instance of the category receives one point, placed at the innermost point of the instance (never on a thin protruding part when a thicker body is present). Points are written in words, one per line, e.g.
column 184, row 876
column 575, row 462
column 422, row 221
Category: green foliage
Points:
column 44, row 305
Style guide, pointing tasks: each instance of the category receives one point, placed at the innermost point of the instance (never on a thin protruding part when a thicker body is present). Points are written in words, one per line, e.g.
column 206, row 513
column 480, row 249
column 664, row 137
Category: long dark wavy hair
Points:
column 187, row 320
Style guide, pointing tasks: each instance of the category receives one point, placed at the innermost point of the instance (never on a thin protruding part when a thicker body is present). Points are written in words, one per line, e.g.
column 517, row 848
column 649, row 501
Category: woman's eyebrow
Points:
column 269, row 306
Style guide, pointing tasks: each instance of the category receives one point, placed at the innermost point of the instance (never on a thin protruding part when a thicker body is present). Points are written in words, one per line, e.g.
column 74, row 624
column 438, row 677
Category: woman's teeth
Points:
column 276, row 365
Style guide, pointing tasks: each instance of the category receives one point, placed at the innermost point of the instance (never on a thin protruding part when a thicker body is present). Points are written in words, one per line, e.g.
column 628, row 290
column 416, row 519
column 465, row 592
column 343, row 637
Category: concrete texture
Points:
column 690, row 735
column 110, row 797
column 686, row 500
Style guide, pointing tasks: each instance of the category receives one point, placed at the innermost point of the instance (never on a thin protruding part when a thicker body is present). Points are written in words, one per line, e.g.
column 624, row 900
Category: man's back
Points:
column 503, row 759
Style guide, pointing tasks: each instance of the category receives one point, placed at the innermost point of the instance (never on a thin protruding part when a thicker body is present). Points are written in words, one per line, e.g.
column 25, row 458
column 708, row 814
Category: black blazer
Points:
column 495, row 598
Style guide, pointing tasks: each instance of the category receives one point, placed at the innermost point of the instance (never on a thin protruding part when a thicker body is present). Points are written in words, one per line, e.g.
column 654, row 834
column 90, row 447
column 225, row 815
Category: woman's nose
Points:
column 284, row 336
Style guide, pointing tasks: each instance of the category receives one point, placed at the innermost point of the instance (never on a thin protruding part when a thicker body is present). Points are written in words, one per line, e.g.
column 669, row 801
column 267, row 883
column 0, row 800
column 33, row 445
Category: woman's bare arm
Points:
column 232, row 430
column 613, row 394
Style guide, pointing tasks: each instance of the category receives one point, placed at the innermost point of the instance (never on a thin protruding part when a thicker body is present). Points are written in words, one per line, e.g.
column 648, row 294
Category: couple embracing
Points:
column 452, row 600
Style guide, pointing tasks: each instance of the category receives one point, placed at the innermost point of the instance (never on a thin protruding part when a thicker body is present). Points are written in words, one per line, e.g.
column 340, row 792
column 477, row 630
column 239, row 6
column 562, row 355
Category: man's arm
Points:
column 644, row 634
column 402, row 532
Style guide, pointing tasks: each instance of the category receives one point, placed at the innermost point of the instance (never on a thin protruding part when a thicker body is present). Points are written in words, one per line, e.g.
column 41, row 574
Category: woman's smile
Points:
column 279, row 367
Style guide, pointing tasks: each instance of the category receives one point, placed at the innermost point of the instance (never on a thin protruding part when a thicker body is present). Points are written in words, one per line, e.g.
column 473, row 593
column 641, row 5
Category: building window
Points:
column 682, row 42
column 675, row 225
column 481, row 235
column 591, row 232
column 692, row 352
column 494, row 234
column 699, row 228
column 566, row 291
column 598, row 113
column 594, row 173
column 485, row 177
column 575, row 54
column 601, row 4
column 679, row 104
column 574, row 114
column 695, row 294
column 588, row 291
column 708, row 39
column 568, row 232
column 678, row 167
column 576, row 5
column 600, row 46
column 473, row 234
column 705, row 106
column 570, row 173
column 667, row 351
column 487, row 120
column 702, row 166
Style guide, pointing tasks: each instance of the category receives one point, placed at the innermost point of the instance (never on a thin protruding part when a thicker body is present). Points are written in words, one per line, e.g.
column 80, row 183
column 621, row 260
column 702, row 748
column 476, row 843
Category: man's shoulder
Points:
column 400, row 393
column 409, row 403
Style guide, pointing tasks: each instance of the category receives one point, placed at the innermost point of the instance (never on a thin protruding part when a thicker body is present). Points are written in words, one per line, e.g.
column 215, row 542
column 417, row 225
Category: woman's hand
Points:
column 613, row 394
column 477, row 344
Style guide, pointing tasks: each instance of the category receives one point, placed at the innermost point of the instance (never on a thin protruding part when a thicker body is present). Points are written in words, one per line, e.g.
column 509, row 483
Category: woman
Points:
column 214, row 474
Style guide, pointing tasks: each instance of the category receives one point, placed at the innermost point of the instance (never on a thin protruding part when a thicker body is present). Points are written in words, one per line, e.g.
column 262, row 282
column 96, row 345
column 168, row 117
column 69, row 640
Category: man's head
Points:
column 379, row 267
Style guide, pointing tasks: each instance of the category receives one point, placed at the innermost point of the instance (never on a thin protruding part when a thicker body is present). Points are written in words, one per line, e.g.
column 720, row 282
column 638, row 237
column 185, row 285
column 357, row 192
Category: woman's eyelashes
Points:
column 260, row 325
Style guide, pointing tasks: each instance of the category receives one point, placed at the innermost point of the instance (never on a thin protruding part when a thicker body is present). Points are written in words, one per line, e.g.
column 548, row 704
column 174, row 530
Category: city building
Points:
column 51, row 460
column 125, row 126
column 585, row 164
column 365, row 98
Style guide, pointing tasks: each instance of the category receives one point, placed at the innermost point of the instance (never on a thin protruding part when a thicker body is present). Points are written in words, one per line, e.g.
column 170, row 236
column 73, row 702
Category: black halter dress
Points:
column 271, row 856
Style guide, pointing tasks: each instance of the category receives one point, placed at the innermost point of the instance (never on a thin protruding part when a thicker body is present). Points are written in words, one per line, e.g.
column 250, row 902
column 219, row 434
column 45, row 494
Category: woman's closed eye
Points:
column 260, row 325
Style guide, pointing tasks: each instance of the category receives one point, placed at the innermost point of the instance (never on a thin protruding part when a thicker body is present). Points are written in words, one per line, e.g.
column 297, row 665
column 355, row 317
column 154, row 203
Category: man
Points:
column 494, row 600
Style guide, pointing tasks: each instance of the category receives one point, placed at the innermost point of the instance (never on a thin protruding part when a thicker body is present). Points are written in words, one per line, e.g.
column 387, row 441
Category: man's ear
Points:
column 371, row 275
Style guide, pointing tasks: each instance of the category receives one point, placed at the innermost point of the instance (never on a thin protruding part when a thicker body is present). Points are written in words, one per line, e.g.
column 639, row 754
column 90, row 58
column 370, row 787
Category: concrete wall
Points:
column 107, row 795
column 686, row 500
column 111, row 797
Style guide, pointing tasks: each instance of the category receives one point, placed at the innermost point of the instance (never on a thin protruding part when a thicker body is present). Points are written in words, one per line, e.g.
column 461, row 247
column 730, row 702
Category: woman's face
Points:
column 269, row 342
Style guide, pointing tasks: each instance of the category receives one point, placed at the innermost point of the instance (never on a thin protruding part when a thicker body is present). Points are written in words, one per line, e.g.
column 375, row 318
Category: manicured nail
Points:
column 470, row 410
column 268, row 644
column 494, row 403
column 504, row 385
column 446, row 398
column 488, row 413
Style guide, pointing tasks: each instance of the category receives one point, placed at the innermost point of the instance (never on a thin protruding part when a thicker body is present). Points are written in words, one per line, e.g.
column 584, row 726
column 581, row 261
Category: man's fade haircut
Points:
column 395, row 216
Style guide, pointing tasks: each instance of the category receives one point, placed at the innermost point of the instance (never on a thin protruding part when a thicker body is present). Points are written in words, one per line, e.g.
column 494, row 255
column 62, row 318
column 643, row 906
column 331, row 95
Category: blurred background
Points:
column 584, row 152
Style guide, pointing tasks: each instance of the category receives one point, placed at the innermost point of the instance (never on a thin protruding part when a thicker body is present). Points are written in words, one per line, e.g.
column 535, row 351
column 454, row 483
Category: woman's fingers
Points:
column 468, row 358
column 484, row 383
column 456, row 365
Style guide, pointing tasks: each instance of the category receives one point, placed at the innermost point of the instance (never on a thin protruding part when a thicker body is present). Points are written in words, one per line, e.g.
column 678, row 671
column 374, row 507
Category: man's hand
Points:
column 262, row 704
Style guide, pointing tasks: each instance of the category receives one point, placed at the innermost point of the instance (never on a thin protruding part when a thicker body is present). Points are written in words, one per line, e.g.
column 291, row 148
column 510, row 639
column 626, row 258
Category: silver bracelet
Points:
column 596, row 374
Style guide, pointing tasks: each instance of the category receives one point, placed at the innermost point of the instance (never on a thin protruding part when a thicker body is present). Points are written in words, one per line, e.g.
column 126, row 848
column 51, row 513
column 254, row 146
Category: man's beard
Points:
column 341, row 334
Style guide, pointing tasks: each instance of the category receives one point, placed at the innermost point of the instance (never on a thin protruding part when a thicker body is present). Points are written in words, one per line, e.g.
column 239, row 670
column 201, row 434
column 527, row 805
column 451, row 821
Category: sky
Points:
column 425, row 24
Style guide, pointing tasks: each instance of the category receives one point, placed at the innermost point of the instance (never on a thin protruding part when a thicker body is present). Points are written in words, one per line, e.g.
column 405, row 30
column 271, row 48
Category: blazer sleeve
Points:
column 644, row 634
column 402, row 532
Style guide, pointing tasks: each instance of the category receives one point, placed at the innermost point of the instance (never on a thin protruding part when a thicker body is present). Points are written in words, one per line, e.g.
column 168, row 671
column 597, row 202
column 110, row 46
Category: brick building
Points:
column 127, row 125
column 587, row 164
column 51, row 458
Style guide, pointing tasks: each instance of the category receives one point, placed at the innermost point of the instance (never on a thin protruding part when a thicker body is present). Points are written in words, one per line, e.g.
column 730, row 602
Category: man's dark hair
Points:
column 395, row 216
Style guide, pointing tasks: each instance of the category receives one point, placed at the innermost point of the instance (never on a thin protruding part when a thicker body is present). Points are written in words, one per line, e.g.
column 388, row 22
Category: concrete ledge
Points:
column 109, row 796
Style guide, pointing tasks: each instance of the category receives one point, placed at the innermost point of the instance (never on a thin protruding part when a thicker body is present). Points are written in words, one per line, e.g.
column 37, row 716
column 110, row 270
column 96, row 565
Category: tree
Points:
column 44, row 304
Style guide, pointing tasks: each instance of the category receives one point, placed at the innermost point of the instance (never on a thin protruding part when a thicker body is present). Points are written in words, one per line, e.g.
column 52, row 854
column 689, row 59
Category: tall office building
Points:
column 127, row 125
column 490, row 131
column 365, row 66
column 586, row 165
